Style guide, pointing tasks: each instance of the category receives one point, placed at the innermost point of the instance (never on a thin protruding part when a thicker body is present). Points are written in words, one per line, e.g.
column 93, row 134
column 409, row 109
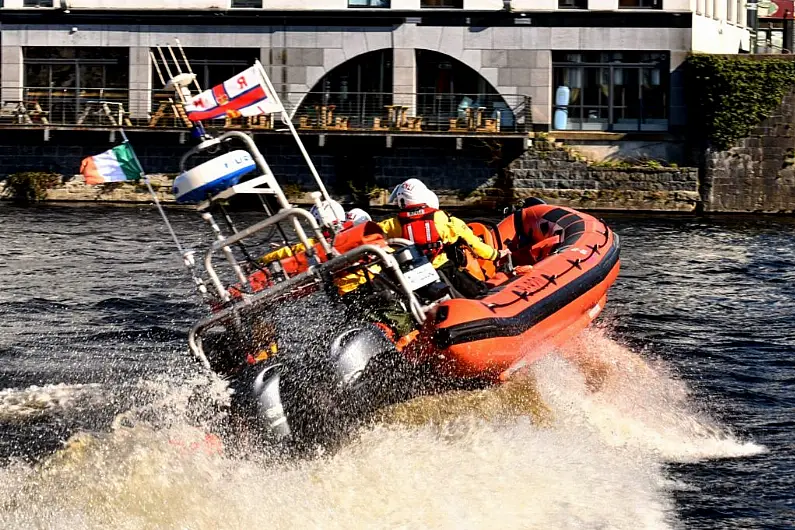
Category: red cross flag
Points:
column 246, row 94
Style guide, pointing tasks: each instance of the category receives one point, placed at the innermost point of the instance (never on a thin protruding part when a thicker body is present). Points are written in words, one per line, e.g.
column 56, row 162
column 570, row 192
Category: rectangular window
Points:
column 572, row 4
column 81, row 68
column 640, row 4
column 442, row 4
column 610, row 91
column 37, row 3
column 247, row 4
column 73, row 84
column 369, row 3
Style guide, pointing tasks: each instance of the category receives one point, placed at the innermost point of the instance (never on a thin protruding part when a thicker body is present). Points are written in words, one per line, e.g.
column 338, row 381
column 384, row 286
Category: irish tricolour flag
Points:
column 117, row 165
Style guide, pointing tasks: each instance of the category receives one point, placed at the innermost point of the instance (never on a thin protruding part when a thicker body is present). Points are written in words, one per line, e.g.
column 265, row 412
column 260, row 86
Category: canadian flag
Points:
column 246, row 94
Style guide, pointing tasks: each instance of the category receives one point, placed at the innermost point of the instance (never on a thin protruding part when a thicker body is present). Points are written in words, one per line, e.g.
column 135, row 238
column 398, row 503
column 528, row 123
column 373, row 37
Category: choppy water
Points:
column 677, row 411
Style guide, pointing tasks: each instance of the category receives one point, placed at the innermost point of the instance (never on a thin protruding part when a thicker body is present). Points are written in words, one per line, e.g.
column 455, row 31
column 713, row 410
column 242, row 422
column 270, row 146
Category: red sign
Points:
column 780, row 9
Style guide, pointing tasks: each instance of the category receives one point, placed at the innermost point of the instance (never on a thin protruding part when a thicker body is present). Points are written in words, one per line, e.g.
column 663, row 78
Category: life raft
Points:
column 574, row 259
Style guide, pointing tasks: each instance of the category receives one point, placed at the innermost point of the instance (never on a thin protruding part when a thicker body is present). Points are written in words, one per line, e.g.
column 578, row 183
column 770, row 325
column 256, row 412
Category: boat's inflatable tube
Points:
column 575, row 259
column 213, row 176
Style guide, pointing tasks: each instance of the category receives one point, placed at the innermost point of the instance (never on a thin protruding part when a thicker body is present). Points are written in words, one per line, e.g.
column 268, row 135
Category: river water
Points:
column 675, row 411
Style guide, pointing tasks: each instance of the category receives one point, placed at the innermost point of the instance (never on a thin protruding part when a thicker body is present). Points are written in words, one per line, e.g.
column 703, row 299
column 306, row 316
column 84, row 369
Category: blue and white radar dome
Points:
column 213, row 176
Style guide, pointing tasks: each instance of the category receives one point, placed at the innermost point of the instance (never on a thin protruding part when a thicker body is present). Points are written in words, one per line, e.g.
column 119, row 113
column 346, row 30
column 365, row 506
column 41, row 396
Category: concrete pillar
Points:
column 678, row 109
column 274, row 59
column 700, row 7
column 709, row 9
column 141, row 84
column 12, row 73
column 404, row 78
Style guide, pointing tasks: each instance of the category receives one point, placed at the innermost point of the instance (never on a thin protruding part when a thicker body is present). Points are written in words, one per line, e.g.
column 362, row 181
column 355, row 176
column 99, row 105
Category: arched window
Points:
column 446, row 88
column 358, row 89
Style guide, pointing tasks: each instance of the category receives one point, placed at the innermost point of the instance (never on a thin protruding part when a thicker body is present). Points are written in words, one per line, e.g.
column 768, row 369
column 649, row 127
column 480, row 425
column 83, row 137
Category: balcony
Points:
column 321, row 112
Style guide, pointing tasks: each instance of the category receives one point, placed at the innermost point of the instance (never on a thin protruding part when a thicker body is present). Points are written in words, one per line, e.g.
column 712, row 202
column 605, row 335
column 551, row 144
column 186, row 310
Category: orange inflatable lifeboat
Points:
column 574, row 260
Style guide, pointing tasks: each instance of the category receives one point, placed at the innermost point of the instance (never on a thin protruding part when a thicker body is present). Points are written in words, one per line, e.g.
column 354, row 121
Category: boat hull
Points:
column 540, row 308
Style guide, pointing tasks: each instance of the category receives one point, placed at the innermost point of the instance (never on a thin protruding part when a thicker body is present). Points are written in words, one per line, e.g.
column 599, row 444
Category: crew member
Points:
column 437, row 234
column 355, row 216
column 330, row 212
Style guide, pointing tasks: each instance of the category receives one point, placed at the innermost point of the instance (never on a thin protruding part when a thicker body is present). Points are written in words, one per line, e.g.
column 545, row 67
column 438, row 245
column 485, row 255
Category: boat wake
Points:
column 35, row 402
column 580, row 442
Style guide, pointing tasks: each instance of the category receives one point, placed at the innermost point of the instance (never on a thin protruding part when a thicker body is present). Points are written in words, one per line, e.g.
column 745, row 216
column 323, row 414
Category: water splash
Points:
column 582, row 442
column 598, row 383
column 35, row 402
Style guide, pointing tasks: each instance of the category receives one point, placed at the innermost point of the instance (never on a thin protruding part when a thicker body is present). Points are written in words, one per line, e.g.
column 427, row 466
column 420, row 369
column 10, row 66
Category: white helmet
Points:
column 358, row 216
column 413, row 192
column 330, row 212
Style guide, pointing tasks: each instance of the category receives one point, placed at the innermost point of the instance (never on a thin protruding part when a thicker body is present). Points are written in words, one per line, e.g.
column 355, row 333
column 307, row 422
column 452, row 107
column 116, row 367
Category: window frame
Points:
column 259, row 6
column 573, row 4
column 78, row 62
column 368, row 4
column 662, row 64
column 442, row 4
column 655, row 4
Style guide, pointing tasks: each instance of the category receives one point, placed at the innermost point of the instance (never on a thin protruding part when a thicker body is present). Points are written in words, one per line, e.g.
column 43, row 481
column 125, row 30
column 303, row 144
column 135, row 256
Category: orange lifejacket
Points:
column 419, row 227
column 487, row 267
column 367, row 233
column 299, row 262
column 472, row 264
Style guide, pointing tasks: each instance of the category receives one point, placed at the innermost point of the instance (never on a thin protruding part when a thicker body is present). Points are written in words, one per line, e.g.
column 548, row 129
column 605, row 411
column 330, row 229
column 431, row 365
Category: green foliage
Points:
column 366, row 192
column 730, row 95
column 293, row 191
column 632, row 163
column 30, row 186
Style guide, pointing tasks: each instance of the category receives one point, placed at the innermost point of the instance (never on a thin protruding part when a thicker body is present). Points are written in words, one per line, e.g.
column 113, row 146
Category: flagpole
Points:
column 187, row 257
column 145, row 178
column 286, row 119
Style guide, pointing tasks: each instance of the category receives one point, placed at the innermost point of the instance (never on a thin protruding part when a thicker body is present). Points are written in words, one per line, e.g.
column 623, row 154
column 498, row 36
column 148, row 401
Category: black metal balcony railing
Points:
column 485, row 113
column 318, row 111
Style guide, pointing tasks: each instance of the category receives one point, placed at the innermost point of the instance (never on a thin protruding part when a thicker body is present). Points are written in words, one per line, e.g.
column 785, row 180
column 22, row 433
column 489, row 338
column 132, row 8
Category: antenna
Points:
column 178, row 81
column 187, row 64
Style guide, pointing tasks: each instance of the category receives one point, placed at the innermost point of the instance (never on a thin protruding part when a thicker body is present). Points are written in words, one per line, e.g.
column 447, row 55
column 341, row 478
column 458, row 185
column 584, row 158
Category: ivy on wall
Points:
column 730, row 95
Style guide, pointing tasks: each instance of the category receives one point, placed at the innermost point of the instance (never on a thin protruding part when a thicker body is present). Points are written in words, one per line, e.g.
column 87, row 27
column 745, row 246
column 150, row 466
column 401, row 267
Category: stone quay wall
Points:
column 562, row 177
column 757, row 174
column 481, row 173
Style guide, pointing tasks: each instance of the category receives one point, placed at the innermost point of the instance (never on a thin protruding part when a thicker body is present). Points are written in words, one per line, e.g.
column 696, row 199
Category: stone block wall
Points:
column 559, row 176
column 479, row 174
column 758, row 173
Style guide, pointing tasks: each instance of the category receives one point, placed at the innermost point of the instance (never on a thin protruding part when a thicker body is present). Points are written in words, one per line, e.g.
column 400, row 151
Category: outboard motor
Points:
column 259, row 394
column 423, row 278
column 352, row 350
column 368, row 371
